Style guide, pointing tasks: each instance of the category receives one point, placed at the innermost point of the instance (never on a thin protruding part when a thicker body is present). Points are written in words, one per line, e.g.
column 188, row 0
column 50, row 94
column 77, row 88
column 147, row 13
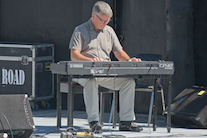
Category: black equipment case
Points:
column 25, row 69
column 189, row 108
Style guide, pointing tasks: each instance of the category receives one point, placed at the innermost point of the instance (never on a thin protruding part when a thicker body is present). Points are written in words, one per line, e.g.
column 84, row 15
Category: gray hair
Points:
column 102, row 7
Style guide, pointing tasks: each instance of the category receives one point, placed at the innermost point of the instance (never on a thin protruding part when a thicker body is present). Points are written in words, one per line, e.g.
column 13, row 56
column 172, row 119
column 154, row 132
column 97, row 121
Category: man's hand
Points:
column 121, row 55
column 134, row 59
column 97, row 59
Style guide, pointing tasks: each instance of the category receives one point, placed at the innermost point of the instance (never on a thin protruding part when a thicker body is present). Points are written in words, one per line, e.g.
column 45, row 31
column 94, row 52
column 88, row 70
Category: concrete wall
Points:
column 179, row 42
column 142, row 25
column 200, row 41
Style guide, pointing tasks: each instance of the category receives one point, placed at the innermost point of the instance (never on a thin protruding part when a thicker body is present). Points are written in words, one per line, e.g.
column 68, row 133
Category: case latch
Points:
column 24, row 60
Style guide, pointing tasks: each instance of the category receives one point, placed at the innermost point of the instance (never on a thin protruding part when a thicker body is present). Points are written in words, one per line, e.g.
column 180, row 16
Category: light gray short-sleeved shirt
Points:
column 94, row 44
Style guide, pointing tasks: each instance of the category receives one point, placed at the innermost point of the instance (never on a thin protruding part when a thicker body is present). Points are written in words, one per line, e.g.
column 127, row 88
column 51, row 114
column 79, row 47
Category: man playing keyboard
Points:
column 94, row 40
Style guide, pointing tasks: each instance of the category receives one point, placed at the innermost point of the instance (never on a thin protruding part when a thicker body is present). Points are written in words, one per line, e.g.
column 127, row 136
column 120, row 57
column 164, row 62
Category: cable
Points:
column 152, row 96
column 149, row 69
column 113, row 104
column 7, row 123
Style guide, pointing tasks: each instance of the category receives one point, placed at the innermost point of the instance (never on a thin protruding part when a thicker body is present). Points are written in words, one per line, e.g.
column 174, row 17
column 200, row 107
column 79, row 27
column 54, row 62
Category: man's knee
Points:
column 91, row 83
column 132, row 82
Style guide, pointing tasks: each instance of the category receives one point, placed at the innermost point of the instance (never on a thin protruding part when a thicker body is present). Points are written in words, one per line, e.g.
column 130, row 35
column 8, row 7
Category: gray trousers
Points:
column 126, row 88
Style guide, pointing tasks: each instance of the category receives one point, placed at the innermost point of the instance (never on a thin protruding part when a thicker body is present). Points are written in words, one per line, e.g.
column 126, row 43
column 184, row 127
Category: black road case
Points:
column 25, row 69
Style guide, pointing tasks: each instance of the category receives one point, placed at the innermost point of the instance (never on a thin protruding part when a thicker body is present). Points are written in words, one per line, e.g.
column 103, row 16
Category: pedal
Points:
column 66, row 135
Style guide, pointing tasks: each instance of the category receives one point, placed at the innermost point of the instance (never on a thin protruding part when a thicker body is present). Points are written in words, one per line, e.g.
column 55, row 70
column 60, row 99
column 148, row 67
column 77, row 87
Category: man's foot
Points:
column 129, row 126
column 95, row 127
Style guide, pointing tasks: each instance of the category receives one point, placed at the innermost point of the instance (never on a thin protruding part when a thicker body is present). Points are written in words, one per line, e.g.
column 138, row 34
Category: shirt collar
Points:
column 92, row 27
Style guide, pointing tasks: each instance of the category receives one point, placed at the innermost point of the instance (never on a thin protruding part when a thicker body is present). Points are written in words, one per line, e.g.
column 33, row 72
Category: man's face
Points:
column 99, row 21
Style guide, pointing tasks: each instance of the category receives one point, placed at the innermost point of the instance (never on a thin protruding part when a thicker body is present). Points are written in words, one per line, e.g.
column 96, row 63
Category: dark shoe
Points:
column 95, row 127
column 129, row 126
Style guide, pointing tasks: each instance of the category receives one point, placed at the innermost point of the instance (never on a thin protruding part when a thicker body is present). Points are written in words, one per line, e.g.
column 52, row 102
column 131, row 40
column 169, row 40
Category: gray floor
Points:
column 45, row 122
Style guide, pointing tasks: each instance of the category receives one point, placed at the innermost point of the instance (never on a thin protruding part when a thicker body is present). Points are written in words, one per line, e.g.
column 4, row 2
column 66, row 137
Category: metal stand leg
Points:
column 115, row 99
column 59, row 104
column 114, row 109
column 169, row 105
column 155, row 106
column 70, row 102
column 102, row 104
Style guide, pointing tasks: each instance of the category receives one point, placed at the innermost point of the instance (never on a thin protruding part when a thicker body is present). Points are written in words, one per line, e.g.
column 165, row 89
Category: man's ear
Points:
column 92, row 15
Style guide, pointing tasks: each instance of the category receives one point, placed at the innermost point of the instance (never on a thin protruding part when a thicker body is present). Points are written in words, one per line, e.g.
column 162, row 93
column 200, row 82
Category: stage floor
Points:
column 45, row 122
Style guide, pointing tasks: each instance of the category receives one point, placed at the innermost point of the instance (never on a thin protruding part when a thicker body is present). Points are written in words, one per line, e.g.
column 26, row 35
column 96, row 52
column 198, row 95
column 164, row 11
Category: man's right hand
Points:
column 97, row 59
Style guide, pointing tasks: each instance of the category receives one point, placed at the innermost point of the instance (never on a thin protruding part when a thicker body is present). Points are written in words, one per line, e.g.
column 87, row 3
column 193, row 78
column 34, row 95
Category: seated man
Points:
column 93, row 41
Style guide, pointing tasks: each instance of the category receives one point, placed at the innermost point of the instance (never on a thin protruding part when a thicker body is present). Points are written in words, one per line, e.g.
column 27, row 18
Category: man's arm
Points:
column 121, row 55
column 75, row 55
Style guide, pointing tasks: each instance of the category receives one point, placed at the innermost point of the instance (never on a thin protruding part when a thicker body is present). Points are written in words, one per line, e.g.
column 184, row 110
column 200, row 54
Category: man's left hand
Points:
column 134, row 59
